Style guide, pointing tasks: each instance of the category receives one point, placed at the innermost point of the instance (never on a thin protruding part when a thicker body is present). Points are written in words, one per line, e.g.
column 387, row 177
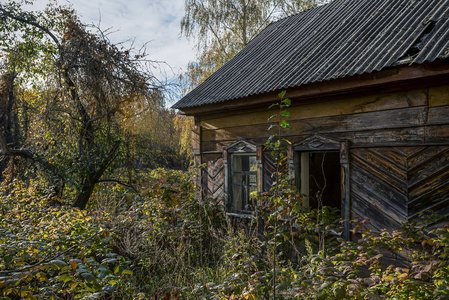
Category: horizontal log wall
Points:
column 399, row 160
column 402, row 119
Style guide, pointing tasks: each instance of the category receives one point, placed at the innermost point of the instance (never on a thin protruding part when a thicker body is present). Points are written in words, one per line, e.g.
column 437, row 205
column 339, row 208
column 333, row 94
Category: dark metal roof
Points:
column 342, row 38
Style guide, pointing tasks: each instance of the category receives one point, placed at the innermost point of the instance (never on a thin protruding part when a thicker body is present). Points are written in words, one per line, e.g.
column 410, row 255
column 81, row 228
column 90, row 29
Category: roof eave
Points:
column 387, row 78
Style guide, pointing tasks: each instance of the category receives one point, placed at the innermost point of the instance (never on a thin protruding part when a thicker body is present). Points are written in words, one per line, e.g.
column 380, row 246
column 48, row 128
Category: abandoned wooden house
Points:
column 369, row 84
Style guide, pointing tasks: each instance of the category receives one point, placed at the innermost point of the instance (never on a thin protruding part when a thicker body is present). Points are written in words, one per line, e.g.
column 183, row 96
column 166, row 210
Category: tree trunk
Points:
column 93, row 178
column 7, row 81
column 85, row 193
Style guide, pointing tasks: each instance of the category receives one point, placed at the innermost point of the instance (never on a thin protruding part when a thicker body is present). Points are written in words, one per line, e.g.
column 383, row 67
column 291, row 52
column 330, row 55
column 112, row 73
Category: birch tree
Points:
column 221, row 28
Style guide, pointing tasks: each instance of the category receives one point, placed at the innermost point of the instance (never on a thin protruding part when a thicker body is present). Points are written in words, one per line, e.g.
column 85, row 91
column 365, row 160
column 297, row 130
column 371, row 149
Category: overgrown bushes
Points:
column 53, row 252
column 164, row 244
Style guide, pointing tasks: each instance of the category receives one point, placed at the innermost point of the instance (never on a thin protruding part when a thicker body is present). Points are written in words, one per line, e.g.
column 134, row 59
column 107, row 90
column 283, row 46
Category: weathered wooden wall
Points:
column 269, row 169
column 399, row 148
column 391, row 185
column 428, row 181
column 212, row 176
column 401, row 119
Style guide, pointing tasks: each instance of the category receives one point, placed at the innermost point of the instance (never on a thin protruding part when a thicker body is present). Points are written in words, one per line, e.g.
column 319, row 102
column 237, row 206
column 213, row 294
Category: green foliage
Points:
column 355, row 270
column 52, row 252
column 162, row 140
column 162, row 242
column 279, row 151
column 275, row 142
column 173, row 241
column 84, row 98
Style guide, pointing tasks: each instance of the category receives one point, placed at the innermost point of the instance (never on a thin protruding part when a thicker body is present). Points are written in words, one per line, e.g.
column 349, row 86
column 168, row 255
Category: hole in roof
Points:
column 418, row 44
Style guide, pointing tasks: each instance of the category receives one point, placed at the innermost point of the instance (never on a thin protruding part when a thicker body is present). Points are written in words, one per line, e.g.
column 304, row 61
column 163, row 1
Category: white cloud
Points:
column 153, row 21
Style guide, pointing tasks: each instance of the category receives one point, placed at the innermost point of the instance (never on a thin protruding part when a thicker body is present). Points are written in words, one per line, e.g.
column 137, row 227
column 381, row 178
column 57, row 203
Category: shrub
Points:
column 53, row 252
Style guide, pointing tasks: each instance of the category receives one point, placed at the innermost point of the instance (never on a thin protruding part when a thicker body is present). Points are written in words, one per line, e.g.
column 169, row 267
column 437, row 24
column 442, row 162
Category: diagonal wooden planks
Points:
column 428, row 181
column 396, row 184
column 269, row 169
column 213, row 176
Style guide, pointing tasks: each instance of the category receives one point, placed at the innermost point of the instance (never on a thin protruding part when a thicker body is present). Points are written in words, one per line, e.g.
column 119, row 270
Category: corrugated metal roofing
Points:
column 342, row 38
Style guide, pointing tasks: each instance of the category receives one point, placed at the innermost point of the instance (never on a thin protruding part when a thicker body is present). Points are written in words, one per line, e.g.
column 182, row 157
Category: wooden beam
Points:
column 345, row 188
column 304, row 174
column 318, row 109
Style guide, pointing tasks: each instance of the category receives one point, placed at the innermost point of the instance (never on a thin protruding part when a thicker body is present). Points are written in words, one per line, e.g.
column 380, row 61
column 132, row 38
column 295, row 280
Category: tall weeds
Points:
column 164, row 244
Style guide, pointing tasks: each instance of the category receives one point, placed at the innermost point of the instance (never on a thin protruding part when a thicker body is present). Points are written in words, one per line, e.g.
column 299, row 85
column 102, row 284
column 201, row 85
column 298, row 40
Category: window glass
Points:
column 243, row 181
column 237, row 179
column 253, row 163
column 237, row 192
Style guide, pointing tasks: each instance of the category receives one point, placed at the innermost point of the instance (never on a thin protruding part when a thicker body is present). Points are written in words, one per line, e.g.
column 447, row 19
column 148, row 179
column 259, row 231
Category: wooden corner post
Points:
column 345, row 187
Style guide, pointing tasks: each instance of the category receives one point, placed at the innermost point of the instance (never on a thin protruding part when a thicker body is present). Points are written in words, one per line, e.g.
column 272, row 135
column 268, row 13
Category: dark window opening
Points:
column 244, row 181
column 320, row 178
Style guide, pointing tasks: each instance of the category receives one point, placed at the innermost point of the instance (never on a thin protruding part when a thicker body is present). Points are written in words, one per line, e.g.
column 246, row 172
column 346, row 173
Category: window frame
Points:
column 245, row 183
column 317, row 143
column 240, row 148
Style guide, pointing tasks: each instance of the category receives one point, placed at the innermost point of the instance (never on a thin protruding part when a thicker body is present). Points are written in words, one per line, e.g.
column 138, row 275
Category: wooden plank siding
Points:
column 320, row 108
column 399, row 149
column 212, row 176
column 392, row 185
column 428, row 181
column 269, row 169
column 374, row 196
column 392, row 119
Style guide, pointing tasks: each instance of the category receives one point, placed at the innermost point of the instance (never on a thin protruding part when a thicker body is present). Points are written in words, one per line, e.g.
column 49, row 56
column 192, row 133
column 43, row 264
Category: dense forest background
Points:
column 97, row 202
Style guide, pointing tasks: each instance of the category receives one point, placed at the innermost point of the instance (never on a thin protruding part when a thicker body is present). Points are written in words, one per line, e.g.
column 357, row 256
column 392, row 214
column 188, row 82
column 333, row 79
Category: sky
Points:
column 154, row 21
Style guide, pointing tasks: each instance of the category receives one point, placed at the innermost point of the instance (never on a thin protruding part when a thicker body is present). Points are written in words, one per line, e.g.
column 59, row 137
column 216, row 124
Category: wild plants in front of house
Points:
column 179, row 247
column 163, row 243
column 279, row 149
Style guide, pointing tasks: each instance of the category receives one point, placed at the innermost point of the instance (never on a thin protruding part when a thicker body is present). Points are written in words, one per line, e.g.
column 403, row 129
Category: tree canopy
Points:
column 81, row 90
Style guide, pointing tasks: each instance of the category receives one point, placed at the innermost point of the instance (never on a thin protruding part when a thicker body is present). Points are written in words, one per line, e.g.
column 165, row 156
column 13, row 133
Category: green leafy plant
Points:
column 48, row 252
column 278, row 147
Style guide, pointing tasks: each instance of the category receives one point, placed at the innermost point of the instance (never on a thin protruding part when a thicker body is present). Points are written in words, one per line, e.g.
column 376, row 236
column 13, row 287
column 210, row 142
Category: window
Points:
column 244, row 181
column 242, row 172
column 320, row 178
